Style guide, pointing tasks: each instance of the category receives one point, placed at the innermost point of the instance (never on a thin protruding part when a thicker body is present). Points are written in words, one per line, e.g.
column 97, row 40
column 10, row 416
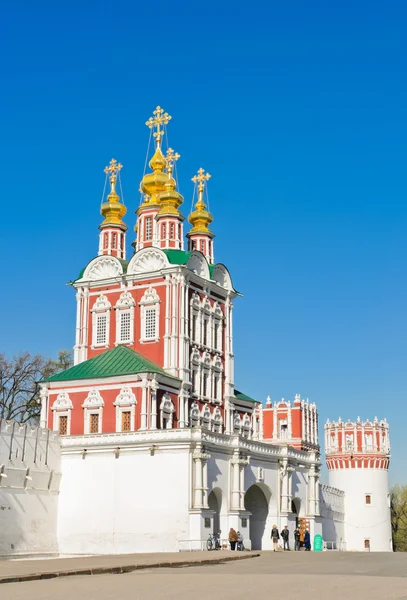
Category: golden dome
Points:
column 200, row 218
column 113, row 210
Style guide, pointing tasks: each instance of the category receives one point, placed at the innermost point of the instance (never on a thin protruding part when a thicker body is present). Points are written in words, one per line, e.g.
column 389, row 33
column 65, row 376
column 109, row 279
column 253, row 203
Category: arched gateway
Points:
column 256, row 501
column 215, row 504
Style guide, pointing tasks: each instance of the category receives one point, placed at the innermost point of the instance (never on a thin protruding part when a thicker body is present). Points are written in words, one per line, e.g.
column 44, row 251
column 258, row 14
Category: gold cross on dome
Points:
column 112, row 170
column 170, row 158
column 201, row 178
column 160, row 118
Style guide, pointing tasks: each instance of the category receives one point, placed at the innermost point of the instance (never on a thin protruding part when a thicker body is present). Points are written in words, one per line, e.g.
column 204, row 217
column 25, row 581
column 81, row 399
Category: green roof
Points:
column 118, row 361
column 241, row 396
column 177, row 257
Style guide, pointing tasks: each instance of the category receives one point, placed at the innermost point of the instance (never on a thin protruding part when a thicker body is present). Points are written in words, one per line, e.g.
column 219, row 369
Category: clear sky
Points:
column 297, row 109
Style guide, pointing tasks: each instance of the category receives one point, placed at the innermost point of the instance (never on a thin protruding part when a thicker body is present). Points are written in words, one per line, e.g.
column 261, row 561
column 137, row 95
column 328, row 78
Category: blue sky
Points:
column 298, row 112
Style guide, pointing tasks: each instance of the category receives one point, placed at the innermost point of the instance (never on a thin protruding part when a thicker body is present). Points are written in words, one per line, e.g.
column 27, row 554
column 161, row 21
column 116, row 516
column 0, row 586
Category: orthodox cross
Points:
column 113, row 169
column 160, row 118
column 170, row 158
column 201, row 178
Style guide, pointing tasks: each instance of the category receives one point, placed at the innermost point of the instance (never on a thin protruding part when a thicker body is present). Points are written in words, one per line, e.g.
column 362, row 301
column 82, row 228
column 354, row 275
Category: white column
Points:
column 85, row 320
column 241, row 490
column 261, row 426
column 235, row 500
column 44, row 406
column 200, row 457
column 174, row 325
column 167, row 336
column 79, row 296
column 153, row 418
column 181, row 409
column 143, row 424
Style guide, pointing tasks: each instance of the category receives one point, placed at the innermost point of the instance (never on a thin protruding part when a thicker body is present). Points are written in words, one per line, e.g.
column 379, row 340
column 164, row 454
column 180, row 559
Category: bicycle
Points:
column 213, row 542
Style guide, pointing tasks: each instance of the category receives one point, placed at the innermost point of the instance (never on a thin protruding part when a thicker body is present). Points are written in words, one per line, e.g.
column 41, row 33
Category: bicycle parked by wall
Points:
column 213, row 542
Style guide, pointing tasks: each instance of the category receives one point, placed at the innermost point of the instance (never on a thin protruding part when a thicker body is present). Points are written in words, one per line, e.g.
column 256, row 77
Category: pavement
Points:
column 18, row 570
column 280, row 576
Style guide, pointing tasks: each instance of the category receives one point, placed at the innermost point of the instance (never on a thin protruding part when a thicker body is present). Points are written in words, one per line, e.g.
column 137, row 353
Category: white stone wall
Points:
column 137, row 502
column 363, row 521
column 29, row 483
column 332, row 507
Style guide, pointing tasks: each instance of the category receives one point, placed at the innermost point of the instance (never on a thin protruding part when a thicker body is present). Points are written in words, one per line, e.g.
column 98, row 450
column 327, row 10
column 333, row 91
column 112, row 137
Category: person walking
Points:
column 307, row 541
column 232, row 538
column 275, row 536
column 285, row 534
column 297, row 536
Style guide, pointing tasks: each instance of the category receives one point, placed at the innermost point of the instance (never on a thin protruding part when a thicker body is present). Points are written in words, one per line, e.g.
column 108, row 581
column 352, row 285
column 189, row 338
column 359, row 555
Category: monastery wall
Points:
column 123, row 501
column 29, row 483
column 332, row 508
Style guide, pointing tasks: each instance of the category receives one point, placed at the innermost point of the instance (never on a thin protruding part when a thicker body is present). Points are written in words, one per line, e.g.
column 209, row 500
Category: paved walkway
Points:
column 14, row 570
column 280, row 576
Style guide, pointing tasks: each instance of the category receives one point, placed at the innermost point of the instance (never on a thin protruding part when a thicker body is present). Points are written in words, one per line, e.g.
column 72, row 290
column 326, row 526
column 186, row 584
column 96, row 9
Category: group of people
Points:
column 285, row 536
column 235, row 540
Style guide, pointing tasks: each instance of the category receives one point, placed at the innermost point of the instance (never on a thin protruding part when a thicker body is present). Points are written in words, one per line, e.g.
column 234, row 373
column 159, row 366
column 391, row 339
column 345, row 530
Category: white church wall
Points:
column 29, row 483
column 364, row 521
column 137, row 502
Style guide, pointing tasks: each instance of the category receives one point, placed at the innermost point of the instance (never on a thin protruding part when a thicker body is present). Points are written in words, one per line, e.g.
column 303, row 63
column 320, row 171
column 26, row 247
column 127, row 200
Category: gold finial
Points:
column 201, row 178
column 113, row 210
column 171, row 158
column 200, row 218
column 160, row 118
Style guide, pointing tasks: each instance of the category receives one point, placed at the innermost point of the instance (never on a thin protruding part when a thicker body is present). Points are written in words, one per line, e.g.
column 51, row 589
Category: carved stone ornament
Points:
column 93, row 400
column 166, row 404
column 102, row 304
column 103, row 267
column 150, row 296
column 126, row 300
column 195, row 300
column 126, row 397
column 217, row 416
column 148, row 260
column 62, row 402
column 198, row 264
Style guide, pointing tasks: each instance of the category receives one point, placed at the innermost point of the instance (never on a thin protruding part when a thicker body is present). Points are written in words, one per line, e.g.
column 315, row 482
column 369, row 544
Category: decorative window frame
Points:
column 150, row 300
column 62, row 407
column 93, row 405
column 206, row 418
column 125, row 304
column 101, row 307
column 194, row 415
column 237, row 424
column 217, row 421
column 125, row 402
column 167, row 411
column 246, row 425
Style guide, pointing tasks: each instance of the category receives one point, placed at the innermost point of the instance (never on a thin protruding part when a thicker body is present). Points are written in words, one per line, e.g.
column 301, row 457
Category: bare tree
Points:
column 399, row 517
column 19, row 389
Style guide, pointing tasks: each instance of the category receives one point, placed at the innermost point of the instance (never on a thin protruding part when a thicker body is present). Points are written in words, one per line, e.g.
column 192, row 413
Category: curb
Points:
column 123, row 569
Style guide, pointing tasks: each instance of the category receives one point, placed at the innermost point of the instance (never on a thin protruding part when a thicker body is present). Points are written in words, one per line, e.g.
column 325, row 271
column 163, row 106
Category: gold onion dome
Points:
column 170, row 199
column 153, row 183
column 113, row 210
column 200, row 218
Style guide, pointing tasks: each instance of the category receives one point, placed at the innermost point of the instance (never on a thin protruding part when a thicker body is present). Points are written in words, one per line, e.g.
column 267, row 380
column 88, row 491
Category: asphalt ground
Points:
column 272, row 576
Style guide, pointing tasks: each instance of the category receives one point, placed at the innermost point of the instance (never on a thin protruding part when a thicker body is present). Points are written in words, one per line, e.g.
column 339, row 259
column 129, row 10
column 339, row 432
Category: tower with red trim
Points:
column 357, row 457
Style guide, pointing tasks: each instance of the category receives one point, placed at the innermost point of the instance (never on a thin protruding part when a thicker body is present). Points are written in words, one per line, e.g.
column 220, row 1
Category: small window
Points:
column 125, row 327
column 172, row 231
column 126, row 420
column 101, row 329
column 205, row 332
column 215, row 388
column 94, row 423
column 193, row 245
column 205, row 384
column 163, row 231
column 150, row 324
column 194, row 324
column 105, row 241
column 202, row 247
column 114, row 241
column 368, row 499
column 149, row 227
column 207, row 522
column 367, row 544
column 63, row 425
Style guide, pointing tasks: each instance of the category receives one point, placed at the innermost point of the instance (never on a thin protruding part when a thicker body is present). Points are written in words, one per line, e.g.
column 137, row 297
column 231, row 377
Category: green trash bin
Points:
column 318, row 543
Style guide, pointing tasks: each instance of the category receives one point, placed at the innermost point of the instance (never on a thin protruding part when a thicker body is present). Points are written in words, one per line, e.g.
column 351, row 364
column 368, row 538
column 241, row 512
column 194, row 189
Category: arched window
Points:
column 125, row 404
column 62, row 409
column 100, row 322
column 167, row 411
column 149, row 315
column 149, row 229
column 194, row 415
column 172, row 231
column 217, row 420
column 93, row 412
column 206, row 417
column 163, row 231
column 125, row 319
column 237, row 423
